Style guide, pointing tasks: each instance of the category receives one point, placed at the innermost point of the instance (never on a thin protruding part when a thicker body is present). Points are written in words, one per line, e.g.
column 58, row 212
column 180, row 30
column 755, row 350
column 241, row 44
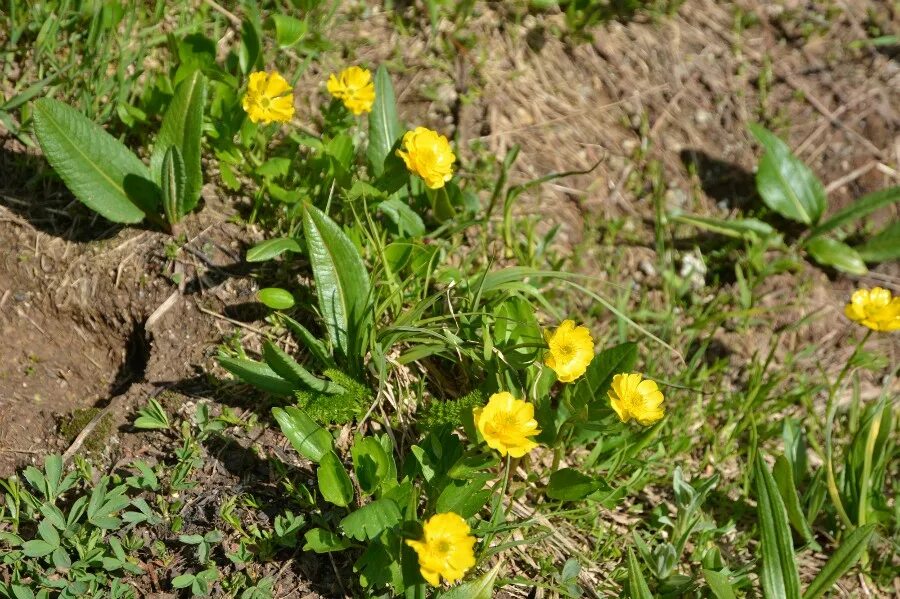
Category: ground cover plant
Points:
column 398, row 374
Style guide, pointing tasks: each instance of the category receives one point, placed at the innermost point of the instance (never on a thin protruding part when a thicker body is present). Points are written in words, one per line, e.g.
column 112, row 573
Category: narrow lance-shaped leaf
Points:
column 308, row 438
column 287, row 368
column 841, row 561
column 883, row 246
column 92, row 163
column 860, row 208
column 832, row 252
column 784, row 479
column 384, row 126
column 257, row 374
column 480, row 588
column 172, row 182
column 636, row 583
column 334, row 482
column 778, row 572
column 785, row 184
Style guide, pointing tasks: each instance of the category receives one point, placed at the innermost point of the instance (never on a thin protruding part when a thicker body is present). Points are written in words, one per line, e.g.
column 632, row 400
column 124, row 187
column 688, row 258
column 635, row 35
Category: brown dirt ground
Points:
column 75, row 293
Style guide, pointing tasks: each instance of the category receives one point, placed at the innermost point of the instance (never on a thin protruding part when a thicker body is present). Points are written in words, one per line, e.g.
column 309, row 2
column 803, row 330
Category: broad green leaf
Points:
column 172, row 182
column 342, row 282
column 882, row 247
column 287, row 368
column 96, row 167
column 464, row 497
column 272, row 248
column 568, row 484
column 784, row 478
column 600, row 372
column 785, row 184
column 334, row 482
column 637, row 586
column 250, row 48
column 276, row 298
column 371, row 520
column 778, row 571
column 858, row 209
column 473, row 463
column 409, row 223
column 308, row 438
column 739, row 227
column 37, row 548
column 853, row 546
column 182, row 128
column 480, row 588
column 838, row 254
column 257, row 374
column 719, row 584
column 384, row 126
column 370, row 462
column 288, row 30
column 320, row 540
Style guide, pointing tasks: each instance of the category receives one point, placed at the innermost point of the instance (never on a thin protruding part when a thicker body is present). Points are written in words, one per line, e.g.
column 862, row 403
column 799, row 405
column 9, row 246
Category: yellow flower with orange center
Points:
column 446, row 548
column 269, row 98
column 506, row 423
column 875, row 308
column 632, row 396
column 354, row 87
column 429, row 155
column 571, row 350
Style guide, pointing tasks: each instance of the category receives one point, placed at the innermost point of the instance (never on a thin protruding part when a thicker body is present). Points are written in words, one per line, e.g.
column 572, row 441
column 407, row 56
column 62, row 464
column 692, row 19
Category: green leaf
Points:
column 276, row 298
column 568, row 484
column 600, row 372
column 784, row 478
column 882, row 247
column 250, row 48
column 182, row 127
column 183, row 581
column 342, row 282
column 743, row 228
column 334, row 482
column 92, row 163
column 371, row 520
column 320, row 540
column 172, row 181
column 464, row 497
column 480, row 588
column 288, row 30
column 409, row 223
column 785, row 184
column 370, row 462
column 854, row 545
column 287, row 368
column 472, row 463
column 838, row 254
column 719, row 584
column 272, row 248
column 37, row 548
column 637, row 586
column 309, row 439
column 384, row 126
column 778, row 573
column 258, row 374
column 314, row 345
column 858, row 209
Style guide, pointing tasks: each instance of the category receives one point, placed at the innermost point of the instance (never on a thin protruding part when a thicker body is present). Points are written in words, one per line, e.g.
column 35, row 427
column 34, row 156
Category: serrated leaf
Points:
column 172, row 182
column 287, row 368
column 883, row 246
column 719, row 584
column 384, row 126
column 342, row 282
column 308, row 438
column 371, row 520
column 480, row 588
column 92, row 163
column 272, row 248
column 637, row 586
column 778, row 570
column 320, row 540
column 258, row 374
column 182, row 127
column 785, row 184
column 832, row 252
column 853, row 546
column 334, row 482
column 858, row 209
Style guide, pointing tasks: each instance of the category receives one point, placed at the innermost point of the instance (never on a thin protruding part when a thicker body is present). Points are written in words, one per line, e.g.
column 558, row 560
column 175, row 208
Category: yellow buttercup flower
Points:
column 429, row 155
column 875, row 308
column 354, row 87
column 632, row 396
column 506, row 423
column 446, row 549
column 269, row 98
column 571, row 350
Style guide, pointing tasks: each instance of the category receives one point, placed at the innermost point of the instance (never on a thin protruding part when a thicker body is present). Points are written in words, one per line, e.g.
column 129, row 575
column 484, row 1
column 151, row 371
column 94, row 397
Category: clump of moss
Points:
column 339, row 408
column 72, row 424
column 453, row 412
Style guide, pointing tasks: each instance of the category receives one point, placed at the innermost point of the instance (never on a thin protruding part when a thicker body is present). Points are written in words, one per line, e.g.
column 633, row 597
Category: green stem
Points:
column 499, row 513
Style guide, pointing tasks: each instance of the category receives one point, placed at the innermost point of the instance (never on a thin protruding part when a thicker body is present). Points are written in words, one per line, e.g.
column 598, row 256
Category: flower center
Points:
column 264, row 103
column 442, row 547
column 566, row 351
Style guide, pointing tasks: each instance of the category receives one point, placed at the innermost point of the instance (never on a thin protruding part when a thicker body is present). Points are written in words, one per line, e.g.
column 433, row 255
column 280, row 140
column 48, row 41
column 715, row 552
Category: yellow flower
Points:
column 874, row 308
column 446, row 548
column 269, row 98
column 633, row 397
column 354, row 87
column 571, row 350
column 506, row 423
column 428, row 154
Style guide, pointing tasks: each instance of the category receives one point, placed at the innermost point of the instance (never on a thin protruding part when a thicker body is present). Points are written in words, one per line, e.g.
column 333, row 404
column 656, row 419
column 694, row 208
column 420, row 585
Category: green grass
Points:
column 681, row 496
